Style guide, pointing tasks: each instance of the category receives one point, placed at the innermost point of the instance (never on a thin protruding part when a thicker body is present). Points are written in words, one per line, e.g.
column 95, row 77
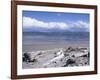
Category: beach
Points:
column 42, row 50
column 43, row 54
column 36, row 46
column 59, row 57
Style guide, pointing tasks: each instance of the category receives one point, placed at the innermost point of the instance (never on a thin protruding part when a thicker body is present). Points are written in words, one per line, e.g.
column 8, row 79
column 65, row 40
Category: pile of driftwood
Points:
column 63, row 57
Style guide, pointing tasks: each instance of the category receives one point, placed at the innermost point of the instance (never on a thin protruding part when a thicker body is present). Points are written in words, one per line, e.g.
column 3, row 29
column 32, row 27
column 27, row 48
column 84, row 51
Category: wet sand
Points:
column 36, row 46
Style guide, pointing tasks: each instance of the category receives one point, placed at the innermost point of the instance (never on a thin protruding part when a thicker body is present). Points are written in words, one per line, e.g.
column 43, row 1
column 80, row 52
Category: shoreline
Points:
column 36, row 46
column 58, row 57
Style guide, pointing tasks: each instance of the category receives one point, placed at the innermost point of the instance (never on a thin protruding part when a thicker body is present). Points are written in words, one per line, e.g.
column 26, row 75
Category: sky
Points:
column 55, row 21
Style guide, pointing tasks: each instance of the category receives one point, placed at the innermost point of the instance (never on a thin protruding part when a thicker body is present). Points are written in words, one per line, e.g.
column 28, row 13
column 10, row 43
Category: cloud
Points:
column 32, row 22
column 79, row 26
column 29, row 22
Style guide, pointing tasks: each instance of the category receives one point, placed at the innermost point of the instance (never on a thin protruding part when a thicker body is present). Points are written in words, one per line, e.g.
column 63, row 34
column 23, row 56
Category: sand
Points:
column 36, row 46
column 56, row 55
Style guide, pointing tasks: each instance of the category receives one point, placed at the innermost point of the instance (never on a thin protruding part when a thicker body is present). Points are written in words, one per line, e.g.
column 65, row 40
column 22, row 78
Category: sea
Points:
column 40, row 40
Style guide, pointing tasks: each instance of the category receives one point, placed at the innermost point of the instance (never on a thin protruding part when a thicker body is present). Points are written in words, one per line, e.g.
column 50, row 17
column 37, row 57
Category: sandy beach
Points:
column 63, row 49
column 36, row 46
column 56, row 55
